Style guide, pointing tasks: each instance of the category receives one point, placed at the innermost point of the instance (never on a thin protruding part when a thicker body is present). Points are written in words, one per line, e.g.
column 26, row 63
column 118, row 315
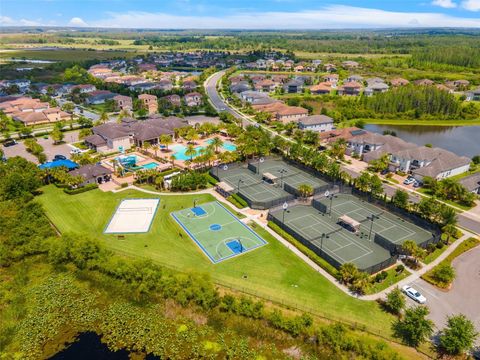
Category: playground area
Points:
column 131, row 162
column 132, row 216
column 270, row 184
column 345, row 229
column 217, row 232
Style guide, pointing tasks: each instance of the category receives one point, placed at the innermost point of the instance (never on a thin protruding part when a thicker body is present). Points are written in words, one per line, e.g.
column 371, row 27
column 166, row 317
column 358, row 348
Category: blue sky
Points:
column 248, row 14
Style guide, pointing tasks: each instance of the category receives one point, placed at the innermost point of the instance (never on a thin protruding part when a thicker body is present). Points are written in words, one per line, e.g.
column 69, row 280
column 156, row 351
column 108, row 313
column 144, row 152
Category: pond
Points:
column 89, row 346
column 461, row 140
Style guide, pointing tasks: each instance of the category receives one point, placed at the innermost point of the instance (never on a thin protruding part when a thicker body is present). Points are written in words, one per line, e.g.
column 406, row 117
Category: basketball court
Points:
column 217, row 232
column 132, row 216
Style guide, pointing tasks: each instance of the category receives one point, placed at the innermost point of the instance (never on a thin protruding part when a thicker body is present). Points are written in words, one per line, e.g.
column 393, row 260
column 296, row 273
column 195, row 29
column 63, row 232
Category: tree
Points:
column 400, row 199
column 57, row 135
column 444, row 274
column 411, row 248
column 414, row 328
column 166, row 140
column 103, row 117
column 376, row 185
column 459, row 335
column 172, row 159
column 360, row 282
column 216, row 143
column 451, row 231
column 305, row 190
column 190, row 151
column 146, row 145
column 347, row 273
column 338, row 149
column 68, row 107
column 363, row 181
column 395, row 301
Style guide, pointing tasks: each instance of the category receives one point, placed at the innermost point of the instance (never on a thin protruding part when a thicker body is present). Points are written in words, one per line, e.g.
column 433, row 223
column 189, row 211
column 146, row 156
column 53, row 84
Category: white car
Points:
column 414, row 294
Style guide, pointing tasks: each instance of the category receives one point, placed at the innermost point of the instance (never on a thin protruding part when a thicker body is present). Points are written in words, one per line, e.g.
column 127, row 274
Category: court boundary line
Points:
column 132, row 232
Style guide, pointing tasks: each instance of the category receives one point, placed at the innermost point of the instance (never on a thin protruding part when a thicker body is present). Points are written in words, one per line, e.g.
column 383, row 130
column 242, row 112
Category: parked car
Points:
column 59, row 157
column 409, row 181
column 414, row 294
column 75, row 151
column 385, row 172
column 9, row 142
column 417, row 184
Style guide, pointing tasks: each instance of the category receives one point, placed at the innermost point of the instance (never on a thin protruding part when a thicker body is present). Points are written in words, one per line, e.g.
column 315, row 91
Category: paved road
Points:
column 463, row 298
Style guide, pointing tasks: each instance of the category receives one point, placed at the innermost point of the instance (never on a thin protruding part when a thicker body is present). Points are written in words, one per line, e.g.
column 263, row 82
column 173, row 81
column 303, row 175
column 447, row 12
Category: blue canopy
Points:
column 69, row 164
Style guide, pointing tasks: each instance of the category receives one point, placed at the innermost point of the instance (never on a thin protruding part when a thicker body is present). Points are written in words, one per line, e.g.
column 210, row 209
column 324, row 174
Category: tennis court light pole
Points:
column 283, row 171
column 238, row 186
column 321, row 241
column 331, row 203
column 372, row 218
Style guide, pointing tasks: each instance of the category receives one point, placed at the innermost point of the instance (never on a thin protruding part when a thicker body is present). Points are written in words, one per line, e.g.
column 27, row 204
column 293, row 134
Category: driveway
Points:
column 463, row 297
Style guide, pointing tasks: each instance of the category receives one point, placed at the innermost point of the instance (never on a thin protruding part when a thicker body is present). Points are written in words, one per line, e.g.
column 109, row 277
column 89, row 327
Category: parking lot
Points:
column 463, row 298
column 49, row 148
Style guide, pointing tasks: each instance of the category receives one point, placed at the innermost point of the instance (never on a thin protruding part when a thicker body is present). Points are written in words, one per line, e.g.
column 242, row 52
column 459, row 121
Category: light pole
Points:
column 331, row 203
column 373, row 217
column 283, row 171
column 260, row 160
column 321, row 241
column 285, row 207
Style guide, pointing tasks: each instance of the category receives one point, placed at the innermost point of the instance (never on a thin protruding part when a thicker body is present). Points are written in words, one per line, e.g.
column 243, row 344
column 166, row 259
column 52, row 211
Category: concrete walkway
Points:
column 263, row 223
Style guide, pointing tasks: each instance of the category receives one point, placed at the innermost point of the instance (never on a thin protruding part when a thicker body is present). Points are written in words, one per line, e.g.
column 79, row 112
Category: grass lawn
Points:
column 433, row 255
column 65, row 54
column 449, row 202
column 272, row 271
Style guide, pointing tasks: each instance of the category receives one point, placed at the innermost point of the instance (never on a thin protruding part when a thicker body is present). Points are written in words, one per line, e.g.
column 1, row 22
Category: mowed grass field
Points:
column 65, row 54
column 271, row 271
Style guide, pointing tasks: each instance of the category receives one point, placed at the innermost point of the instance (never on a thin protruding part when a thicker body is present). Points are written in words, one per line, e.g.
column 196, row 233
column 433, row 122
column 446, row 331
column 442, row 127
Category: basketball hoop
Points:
column 285, row 206
column 262, row 159
column 327, row 193
column 225, row 167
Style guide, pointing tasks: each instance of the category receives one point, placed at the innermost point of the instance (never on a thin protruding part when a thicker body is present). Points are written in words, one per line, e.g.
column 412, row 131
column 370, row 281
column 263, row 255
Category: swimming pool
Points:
column 149, row 166
column 179, row 150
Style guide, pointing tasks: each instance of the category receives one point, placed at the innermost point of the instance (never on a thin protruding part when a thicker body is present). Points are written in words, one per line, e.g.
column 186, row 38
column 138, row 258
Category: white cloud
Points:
column 447, row 4
column 471, row 5
column 6, row 21
column 27, row 22
column 329, row 17
column 76, row 21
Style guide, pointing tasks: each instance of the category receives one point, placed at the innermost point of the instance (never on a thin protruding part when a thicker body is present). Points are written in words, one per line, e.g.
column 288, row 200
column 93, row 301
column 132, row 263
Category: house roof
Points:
column 316, row 120
column 471, row 182
column 292, row 110
column 324, row 86
column 399, row 82
column 147, row 97
column 91, row 171
column 96, row 140
column 444, row 161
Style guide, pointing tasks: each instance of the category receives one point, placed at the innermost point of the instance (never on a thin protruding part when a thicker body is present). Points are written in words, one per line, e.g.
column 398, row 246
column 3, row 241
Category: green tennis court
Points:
column 218, row 233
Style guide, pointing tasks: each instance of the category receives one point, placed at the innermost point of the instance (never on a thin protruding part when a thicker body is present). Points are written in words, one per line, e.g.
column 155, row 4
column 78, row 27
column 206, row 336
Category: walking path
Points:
column 256, row 217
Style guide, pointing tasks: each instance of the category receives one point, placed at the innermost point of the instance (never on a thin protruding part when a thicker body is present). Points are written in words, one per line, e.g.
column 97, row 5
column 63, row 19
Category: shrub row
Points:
column 237, row 201
column 80, row 189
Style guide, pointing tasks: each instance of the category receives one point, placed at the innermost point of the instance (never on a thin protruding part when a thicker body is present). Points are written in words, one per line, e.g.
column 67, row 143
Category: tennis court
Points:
column 386, row 224
column 132, row 216
column 323, row 235
column 217, row 232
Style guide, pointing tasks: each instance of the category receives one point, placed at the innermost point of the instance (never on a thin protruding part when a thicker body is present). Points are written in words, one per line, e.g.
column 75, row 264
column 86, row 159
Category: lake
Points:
column 461, row 140
column 88, row 345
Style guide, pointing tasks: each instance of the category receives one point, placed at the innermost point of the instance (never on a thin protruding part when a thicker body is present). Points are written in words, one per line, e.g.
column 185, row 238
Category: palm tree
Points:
column 216, row 143
column 338, row 149
column 190, row 151
column 172, row 159
column 155, row 149
column 305, row 190
column 166, row 140
column 146, row 145
column 123, row 114
column 192, row 135
column 450, row 230
column 347, row 273
column 103, row 117
column 411, row 248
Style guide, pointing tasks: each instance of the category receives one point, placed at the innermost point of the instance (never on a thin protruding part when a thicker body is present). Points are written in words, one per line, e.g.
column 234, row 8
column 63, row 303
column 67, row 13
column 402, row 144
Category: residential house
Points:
column 471, row 183
column 149, row 102
column 240, row 87
column 93, row 174
column 266, row 85
column 99, row 97
column 83, row 88
column 51, row 115
column 396, row 82
column 147, row 67
column 144, row 86
column 293, row 86
column 319, row 123
column 173, row 99
column 22, row 84
column 330, row 68
column 350, row 88
column 252, row 97
column 193, row 99
column 376, row 88
column 357, row 78
column 164, row 85
column 189, row 85
column 321, row 89
column 345, row 133
column 349, row 64
column 291, row 113
column 473, row 95
column 458, row 84
column 123, row 102
column 316, row 62
column 424, row 82
column 444, row 88
column 332, row 79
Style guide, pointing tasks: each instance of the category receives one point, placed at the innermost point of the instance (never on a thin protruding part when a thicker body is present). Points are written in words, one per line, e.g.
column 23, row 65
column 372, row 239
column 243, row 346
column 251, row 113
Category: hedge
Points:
column 309, row 253
column 211, row 179
column 237, row 201
column 80, row 189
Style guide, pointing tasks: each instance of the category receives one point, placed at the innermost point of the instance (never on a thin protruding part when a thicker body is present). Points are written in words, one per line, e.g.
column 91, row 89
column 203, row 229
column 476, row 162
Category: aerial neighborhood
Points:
column 239, row 194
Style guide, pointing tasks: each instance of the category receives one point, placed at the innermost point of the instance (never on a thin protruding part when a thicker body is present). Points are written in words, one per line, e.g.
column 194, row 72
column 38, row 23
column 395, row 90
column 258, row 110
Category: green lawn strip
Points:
column 435, row 254
column 466, row 245
column 390, row 280
column 272, row 271
column 448, row 202
column 65, row 54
